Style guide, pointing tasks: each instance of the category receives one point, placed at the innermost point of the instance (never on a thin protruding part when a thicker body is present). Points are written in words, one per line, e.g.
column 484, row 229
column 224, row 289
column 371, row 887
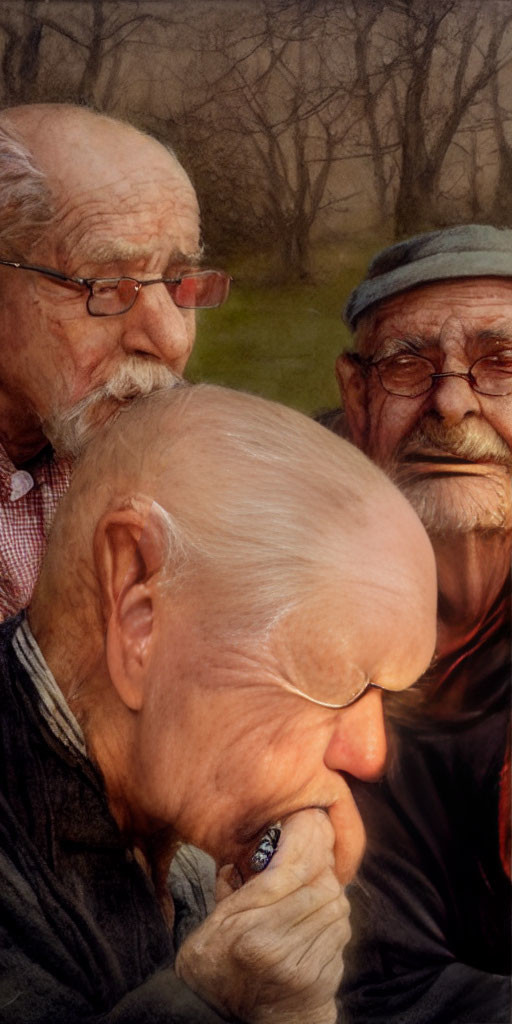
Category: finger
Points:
column 329, row 923
column 278, row 915
column 306, row 845
column 350, row 838
column 305, row 850
column 301, row 912
column 228, row 881
column 297, row 957
column 291, row 908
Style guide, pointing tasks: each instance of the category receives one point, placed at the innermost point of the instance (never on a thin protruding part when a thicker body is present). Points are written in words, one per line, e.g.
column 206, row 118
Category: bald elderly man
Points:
column 198, row 664
column 428, row 395
column 100, row 274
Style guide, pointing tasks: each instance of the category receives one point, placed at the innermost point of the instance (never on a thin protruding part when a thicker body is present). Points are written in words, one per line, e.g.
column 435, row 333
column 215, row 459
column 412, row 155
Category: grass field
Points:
column 280, row 342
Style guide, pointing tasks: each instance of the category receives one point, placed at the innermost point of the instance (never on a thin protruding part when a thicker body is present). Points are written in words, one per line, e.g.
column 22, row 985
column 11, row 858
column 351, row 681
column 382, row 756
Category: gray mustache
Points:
column 70, row 430
column 472, row 441
column 130, row 381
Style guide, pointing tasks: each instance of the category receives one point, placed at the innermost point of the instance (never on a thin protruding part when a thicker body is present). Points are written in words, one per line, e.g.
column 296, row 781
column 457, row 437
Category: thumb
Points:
column 350, row 838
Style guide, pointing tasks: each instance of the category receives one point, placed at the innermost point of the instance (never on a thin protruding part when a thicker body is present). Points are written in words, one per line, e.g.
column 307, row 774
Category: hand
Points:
column 271, row 951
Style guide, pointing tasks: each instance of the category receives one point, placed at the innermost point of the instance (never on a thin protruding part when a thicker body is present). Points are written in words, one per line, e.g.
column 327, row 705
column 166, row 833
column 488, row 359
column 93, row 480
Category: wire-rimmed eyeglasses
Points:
column 410, row 376
column 110, row 296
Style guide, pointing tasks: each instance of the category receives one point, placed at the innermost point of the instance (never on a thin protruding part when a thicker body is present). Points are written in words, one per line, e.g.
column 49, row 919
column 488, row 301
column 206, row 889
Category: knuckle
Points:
column 253, row 949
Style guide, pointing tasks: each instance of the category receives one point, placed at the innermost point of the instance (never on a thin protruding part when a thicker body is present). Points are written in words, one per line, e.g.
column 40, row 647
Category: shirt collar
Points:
column 16, row 482
column 52, row 703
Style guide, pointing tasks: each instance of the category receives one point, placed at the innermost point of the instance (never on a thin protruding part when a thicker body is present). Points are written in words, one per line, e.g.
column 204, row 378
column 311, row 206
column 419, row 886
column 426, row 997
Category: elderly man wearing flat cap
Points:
column 428, row 395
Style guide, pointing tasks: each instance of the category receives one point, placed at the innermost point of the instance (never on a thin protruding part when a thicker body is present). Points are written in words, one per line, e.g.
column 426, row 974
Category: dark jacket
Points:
column 431, row 908
column 82, row 937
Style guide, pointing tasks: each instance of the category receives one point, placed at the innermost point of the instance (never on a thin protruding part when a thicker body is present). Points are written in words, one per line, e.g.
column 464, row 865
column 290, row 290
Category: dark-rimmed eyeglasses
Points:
column 110, row 296
column 410, row 376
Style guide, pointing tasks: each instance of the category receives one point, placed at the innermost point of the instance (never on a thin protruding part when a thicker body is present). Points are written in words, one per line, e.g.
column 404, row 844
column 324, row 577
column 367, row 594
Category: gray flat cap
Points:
column 471, row 250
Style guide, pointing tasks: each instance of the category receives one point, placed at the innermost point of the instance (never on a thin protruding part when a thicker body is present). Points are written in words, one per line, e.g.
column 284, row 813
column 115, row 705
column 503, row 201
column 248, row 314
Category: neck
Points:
column 473, row 570
column 74, row 654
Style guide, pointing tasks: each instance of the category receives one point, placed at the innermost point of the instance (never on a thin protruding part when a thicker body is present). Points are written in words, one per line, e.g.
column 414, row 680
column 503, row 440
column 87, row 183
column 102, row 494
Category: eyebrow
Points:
column 391, row 346
column 503, row 333
column 122, row 251
column 416, row 343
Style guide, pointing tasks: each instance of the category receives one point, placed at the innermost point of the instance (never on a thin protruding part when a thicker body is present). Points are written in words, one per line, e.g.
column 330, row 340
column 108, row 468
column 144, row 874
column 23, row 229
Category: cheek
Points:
column 391, row 418
column 87, row 352
column 498, row 413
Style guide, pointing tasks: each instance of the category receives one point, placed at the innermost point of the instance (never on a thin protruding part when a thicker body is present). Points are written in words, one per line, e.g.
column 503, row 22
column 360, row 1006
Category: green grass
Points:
column 281, row 341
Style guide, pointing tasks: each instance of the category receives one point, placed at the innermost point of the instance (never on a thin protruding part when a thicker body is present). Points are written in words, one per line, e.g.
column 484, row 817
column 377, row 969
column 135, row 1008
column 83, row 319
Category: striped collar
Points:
column 52, row 703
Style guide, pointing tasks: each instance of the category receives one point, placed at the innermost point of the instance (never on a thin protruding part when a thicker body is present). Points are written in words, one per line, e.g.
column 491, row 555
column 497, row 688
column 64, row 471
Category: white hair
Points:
column 259, row 502
column 26, row 206
column 26, row 201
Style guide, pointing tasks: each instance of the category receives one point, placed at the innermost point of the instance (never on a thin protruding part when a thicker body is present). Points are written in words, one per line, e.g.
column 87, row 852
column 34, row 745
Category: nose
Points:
column 155, row 326
column 453, row 399
column 358, row 741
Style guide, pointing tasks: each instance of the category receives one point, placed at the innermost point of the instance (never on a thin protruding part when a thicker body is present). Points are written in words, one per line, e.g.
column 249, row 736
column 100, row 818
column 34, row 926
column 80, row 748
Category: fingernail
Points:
column 266, row 849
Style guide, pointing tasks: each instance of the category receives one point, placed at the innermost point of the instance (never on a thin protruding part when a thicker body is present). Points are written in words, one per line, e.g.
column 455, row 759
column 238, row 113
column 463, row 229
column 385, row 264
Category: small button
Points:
column 21, row 484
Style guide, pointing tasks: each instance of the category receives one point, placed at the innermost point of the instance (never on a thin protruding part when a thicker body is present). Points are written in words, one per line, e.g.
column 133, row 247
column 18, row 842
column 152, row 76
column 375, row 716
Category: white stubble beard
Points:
column 70, row 430
column 459, row 503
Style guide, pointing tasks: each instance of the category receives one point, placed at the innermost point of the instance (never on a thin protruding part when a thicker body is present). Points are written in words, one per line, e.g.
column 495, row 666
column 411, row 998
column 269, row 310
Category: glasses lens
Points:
column 112, row 295
column 493, row 374
column 204, row 290
column 405, row 375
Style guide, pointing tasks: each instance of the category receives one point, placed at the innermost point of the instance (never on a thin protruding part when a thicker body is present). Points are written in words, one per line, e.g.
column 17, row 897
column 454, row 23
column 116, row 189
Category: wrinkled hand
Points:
column 272, row 950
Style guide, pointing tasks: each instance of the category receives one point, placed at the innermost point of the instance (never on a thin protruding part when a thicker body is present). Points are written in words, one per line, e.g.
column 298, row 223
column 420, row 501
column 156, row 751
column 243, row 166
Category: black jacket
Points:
column 82, row 937
column 431, row 908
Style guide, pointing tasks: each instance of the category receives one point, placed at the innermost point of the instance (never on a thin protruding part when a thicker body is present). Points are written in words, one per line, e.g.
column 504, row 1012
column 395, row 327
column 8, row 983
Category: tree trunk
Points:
column 93, row 63
column 416, row 200
column 502, row 203
column 29, row 62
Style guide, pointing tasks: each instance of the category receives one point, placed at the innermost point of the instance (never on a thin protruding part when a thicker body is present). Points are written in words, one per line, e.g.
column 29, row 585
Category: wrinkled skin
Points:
column 124, row 206
column 272, row 950
column 449, row 449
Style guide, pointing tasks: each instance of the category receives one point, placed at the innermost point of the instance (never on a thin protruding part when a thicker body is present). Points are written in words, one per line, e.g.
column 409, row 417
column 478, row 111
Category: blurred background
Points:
column 315, row 131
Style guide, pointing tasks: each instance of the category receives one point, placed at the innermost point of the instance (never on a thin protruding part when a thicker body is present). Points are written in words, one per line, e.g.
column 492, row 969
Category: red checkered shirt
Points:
column 27, row 505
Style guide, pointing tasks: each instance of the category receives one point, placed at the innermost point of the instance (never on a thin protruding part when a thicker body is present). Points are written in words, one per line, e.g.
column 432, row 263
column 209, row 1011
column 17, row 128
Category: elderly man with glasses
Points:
column 428, row 395
column 92, row 213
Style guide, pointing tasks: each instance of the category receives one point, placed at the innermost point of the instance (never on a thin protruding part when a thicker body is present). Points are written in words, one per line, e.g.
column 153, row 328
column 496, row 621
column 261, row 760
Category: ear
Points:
column 130, row 547
column 352, row 383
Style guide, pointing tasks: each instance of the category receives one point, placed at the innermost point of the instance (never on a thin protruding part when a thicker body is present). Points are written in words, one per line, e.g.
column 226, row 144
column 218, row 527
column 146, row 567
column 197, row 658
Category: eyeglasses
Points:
column 409, row 376
column 109, row 296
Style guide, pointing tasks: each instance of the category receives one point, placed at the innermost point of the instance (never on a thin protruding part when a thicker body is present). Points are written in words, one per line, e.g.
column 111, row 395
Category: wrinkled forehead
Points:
column 375, row 619
column 75, row 148
column 478, row 306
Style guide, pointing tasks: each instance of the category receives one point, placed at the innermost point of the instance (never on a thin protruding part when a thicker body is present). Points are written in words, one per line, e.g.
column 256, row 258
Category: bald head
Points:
column 51, row 153
column 222, row 569
column 250, row 496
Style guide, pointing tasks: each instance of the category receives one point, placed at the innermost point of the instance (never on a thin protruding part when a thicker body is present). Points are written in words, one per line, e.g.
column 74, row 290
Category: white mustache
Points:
column 70, row 430
column 475, row 442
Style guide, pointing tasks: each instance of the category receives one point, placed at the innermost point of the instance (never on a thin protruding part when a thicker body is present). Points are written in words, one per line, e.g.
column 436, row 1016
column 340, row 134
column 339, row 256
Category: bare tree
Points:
column 22, row 29
column 277, row 115
column 450, row 55
column 502, row 205
column 376, row 65
column 95, row 32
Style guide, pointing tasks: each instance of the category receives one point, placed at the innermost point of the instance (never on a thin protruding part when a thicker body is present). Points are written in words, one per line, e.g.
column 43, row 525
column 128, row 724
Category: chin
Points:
column 69, row 433
column 462, row 504
column 70, row 430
